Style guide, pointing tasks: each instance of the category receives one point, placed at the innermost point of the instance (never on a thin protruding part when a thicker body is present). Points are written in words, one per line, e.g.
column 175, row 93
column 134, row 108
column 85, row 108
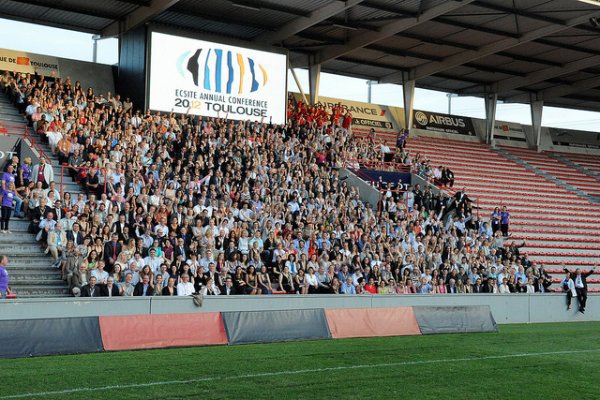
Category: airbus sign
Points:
column 443, row 123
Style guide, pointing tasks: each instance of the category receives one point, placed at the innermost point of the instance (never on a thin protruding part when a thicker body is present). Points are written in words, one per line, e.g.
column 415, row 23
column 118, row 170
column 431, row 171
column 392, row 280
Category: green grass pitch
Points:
column 541, row 361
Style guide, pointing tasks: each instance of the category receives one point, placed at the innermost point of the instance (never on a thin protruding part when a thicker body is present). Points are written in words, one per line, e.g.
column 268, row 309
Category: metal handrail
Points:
column 66, row 166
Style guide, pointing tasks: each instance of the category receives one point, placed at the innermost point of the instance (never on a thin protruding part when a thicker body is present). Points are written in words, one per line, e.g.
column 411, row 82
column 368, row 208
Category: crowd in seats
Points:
column 175, row 204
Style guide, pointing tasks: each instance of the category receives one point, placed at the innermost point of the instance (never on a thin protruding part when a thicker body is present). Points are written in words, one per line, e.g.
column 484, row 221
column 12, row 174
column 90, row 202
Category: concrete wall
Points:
column 98, row 76
column 507, row 309
column 367, row 192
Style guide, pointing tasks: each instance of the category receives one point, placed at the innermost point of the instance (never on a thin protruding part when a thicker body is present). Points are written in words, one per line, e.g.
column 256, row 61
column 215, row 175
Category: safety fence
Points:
column 49, row 336
column 25, row 135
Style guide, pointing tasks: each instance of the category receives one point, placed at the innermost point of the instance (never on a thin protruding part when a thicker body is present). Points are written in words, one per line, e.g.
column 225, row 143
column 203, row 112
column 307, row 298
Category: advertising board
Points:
column 216, row 80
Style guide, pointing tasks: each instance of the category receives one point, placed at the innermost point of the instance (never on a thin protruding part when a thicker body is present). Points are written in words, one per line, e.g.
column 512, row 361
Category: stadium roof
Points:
column 519, row 48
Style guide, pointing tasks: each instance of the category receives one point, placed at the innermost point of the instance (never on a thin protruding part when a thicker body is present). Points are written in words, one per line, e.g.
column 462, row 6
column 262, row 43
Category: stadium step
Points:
column 563, row 240
column 30, row 270
column 40, row 290
column 542, row 165
column 35, row 279
column 557, row 244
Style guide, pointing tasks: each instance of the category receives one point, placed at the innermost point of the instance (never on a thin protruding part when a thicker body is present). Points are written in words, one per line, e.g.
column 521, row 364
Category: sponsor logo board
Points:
column 18, row 61
column 365, row 114
column 431, row 121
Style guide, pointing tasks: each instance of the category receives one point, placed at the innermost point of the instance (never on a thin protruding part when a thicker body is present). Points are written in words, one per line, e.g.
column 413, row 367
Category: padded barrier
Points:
column 39, row 337
column 372, row 322
column 275, row 326
column 162, row 330
column 459, row 319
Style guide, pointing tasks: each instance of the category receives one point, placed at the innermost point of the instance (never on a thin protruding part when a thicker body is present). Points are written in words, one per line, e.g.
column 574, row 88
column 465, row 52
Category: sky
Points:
column 76, row 45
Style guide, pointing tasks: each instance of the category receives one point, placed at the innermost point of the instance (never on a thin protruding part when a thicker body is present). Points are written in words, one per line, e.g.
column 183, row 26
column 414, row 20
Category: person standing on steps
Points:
column 504, row 221
column 43, row 173
column 6, row 201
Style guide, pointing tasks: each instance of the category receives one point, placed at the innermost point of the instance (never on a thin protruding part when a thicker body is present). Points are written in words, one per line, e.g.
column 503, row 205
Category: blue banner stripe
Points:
column 219, row 54
column 254, row 81
column 207, row 72
column 230, row 72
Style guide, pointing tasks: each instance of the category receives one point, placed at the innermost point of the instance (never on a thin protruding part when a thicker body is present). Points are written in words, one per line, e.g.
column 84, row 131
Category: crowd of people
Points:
column 176, row 204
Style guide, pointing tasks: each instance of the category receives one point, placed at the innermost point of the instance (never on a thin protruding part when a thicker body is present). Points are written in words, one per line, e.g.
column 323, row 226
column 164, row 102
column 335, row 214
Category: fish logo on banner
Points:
column 220, row 71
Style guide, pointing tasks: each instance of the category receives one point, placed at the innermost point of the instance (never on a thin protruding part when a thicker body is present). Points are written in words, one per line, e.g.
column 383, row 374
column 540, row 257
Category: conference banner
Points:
column 365, row 115
column 216, row 80
column 18, row 61
column 446, row 123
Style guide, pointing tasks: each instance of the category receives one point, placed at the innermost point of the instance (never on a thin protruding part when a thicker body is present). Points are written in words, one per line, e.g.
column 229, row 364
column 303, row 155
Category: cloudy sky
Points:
column 69, row 44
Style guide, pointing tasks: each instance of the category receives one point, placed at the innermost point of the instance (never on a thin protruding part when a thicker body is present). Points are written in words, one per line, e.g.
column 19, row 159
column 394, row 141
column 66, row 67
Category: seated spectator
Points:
column 185, row 287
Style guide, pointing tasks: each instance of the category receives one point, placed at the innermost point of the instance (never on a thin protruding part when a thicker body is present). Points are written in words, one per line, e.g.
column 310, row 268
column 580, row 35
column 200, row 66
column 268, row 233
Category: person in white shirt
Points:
column 568, row 286
column 503, row 288
column 210, row 288
column 530, row 286
column 185, row 287
column 100, row 274
column 153, row 261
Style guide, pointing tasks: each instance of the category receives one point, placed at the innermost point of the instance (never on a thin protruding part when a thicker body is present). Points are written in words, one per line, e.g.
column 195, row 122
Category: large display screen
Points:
column 216, row 80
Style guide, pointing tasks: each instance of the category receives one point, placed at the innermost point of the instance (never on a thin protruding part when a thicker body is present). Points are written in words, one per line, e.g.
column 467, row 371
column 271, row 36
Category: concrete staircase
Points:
column 589, row 164
column 567, row 176
column 30, row 271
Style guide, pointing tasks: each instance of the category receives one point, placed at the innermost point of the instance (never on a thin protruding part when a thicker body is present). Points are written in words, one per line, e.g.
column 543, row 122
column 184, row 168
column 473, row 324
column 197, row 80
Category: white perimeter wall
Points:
column 510, row 308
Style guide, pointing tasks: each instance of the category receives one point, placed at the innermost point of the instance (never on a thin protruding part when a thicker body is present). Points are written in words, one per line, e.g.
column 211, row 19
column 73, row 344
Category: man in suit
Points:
column 580, row 279
column 42, row 172
column 91, row 289
column 78, row 278
column 210, row 274
column 229, row 289
column 119, row 226
column 112, row 250
column 128, row 214
column 181, row 249
column 58, row 212
column 542, row 284
column 75, row 235
column 451, row 287
column 57, row 242
column 110, row 289
column 143, row 288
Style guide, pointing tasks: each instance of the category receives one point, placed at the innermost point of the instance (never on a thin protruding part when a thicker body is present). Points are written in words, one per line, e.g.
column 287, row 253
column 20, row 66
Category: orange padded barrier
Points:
column 157, row 331
column 361, row 322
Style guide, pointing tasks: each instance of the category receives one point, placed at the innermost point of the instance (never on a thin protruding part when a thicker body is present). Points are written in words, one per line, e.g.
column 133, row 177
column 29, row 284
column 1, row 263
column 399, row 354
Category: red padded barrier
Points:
column 373, row 322
column 162, row 330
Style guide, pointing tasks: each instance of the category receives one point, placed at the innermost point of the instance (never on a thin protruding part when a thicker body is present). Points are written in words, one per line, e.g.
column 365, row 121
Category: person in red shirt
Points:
column 370, row 287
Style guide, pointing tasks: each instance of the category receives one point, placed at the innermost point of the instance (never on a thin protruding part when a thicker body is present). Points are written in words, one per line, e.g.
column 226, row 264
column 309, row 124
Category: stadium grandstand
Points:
column 213, row 189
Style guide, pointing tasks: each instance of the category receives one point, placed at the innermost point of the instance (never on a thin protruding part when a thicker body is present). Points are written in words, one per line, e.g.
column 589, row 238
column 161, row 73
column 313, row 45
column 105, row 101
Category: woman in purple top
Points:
column 8, row 196
column 25, row 172
column 504, row 221
column 3, row 276
column 495, row 219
